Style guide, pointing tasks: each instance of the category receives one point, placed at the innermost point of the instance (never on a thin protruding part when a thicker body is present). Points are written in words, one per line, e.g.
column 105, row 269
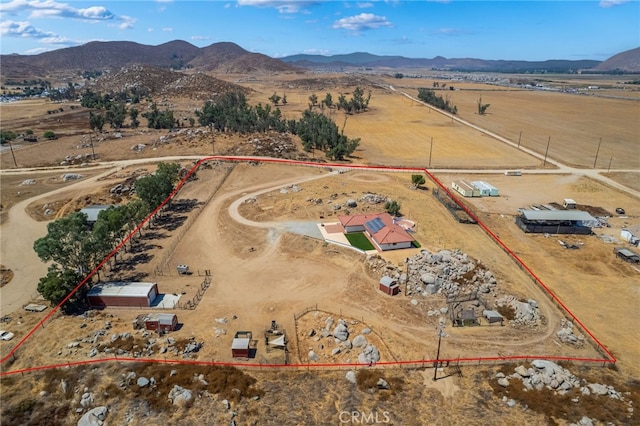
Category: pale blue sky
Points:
column 510, row 30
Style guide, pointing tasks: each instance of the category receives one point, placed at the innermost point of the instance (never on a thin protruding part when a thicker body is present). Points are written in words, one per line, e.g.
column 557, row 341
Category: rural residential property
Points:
column 319, row 213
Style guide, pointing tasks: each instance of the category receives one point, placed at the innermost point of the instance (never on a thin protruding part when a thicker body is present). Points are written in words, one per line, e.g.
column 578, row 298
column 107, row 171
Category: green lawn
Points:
column 359, row 240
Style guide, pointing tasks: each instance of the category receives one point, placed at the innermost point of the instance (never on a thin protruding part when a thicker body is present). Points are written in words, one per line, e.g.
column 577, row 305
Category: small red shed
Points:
column 240, row 347
column 389, row 286
column 160, row 322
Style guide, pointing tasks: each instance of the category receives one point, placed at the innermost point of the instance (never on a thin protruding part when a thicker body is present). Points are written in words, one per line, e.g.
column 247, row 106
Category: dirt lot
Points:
column 260, row 272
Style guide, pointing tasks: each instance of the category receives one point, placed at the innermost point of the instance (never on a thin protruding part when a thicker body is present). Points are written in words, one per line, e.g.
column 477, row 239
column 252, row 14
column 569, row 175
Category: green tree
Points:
column 275, row 98
column 154, row 189
column 328, row 100
column 159, row 119
column 482, row 108
column 57, row 284
column 68, row 243
column 96, row 121
column 392, row 207
column 313, row 99
column 116, row 114
column 133, row 115
column 417, row 180
column 428, row 96
column 49, row 135
column 7, row 136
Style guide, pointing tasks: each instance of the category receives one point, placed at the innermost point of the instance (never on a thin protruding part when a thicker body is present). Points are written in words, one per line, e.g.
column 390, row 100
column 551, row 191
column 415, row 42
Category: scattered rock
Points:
column 351, row 377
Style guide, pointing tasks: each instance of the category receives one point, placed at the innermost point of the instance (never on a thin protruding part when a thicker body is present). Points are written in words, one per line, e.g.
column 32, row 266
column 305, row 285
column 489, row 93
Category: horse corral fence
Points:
column 193, row 303
column 454, row 208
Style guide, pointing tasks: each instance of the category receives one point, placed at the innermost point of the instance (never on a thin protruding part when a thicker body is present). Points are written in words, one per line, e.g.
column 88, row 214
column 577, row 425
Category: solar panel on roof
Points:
column 375, row 225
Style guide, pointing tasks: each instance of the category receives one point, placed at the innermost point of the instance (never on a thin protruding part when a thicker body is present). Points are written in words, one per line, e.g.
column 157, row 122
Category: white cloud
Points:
column 199, row 37
column 364, row 21
column 364, row 5
column 167, row 29
column 283, row 6
column 612, row 3
column 451, row 32
column 323, row 52
column 23, row 29
column 40, row 9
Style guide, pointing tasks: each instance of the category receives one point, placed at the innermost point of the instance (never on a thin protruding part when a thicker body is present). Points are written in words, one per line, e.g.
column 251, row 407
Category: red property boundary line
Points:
column 608, row 359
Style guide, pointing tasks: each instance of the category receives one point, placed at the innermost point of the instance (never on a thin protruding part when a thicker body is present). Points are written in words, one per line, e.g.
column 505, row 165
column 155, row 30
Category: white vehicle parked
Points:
column 6, row 335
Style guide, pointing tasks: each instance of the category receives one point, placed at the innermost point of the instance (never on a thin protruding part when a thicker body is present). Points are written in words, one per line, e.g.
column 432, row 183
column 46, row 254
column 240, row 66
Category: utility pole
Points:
column 519, row 139
column 609, row 168
column 92, row 150
column 213, row 139
column 440, row 336
column 430, row 151
column 12, row 154
column 544, row 163
column 597, row 151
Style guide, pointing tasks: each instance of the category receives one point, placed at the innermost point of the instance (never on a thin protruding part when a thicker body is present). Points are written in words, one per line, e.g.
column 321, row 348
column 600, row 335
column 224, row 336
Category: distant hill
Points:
column 368, row 60
column 627, row 61
column 113, row 55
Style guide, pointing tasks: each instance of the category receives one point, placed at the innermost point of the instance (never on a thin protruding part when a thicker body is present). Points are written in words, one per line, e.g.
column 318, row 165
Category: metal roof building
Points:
column 127, row 294
column 92, row 212
column 556, row 221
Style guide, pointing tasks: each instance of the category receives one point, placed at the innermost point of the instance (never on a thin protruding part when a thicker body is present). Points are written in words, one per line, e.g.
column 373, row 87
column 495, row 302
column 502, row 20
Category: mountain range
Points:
column 227, row 57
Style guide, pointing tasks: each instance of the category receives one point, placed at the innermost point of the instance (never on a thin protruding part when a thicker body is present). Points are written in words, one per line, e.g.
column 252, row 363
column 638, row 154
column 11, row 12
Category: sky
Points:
column 509, row 30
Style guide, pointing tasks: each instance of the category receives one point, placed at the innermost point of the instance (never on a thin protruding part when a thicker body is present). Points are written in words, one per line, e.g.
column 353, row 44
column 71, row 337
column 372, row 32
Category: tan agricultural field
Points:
column 574, row 122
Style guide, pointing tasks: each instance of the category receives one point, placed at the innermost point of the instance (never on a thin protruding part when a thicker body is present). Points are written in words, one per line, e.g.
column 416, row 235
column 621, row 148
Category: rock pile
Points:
column 525, row 313
column 447, row 272
column 341, row 338
column 566, row 334
column 270, row 145
column 542, row 374
column 547, row 374
column 373, row 198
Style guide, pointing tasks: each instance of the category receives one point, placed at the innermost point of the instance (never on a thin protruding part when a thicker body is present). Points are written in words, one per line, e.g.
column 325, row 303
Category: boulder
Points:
column 341, row 332
column 143, row 382
column 503, row 381
column 359, row 341
column 313, row 356
column 351, row 377
column 369, row 355
column 179, row 395
column 93, row 417
column 382, row 384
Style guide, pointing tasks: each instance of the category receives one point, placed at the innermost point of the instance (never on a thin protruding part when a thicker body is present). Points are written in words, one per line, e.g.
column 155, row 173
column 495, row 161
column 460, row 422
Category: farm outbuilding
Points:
column 568, row 203
column 466, row 189
column 157, row 322
column 92, row 212
column 556, row 221
column 486, row 190
column 122, row 294
column 631, row 235
column 389, row 286
column 492, row 316
column 626, row 255
column 241, row 344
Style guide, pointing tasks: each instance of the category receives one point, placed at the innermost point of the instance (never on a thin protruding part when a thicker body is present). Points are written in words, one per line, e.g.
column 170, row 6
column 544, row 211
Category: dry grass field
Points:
column 262, row 272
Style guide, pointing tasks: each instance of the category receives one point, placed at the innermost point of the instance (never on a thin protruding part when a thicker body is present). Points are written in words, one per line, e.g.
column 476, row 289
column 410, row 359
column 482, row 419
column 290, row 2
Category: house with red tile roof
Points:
column 380, row 228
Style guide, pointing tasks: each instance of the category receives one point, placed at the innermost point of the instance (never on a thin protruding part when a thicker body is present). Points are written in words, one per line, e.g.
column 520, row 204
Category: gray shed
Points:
column 492, row 316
